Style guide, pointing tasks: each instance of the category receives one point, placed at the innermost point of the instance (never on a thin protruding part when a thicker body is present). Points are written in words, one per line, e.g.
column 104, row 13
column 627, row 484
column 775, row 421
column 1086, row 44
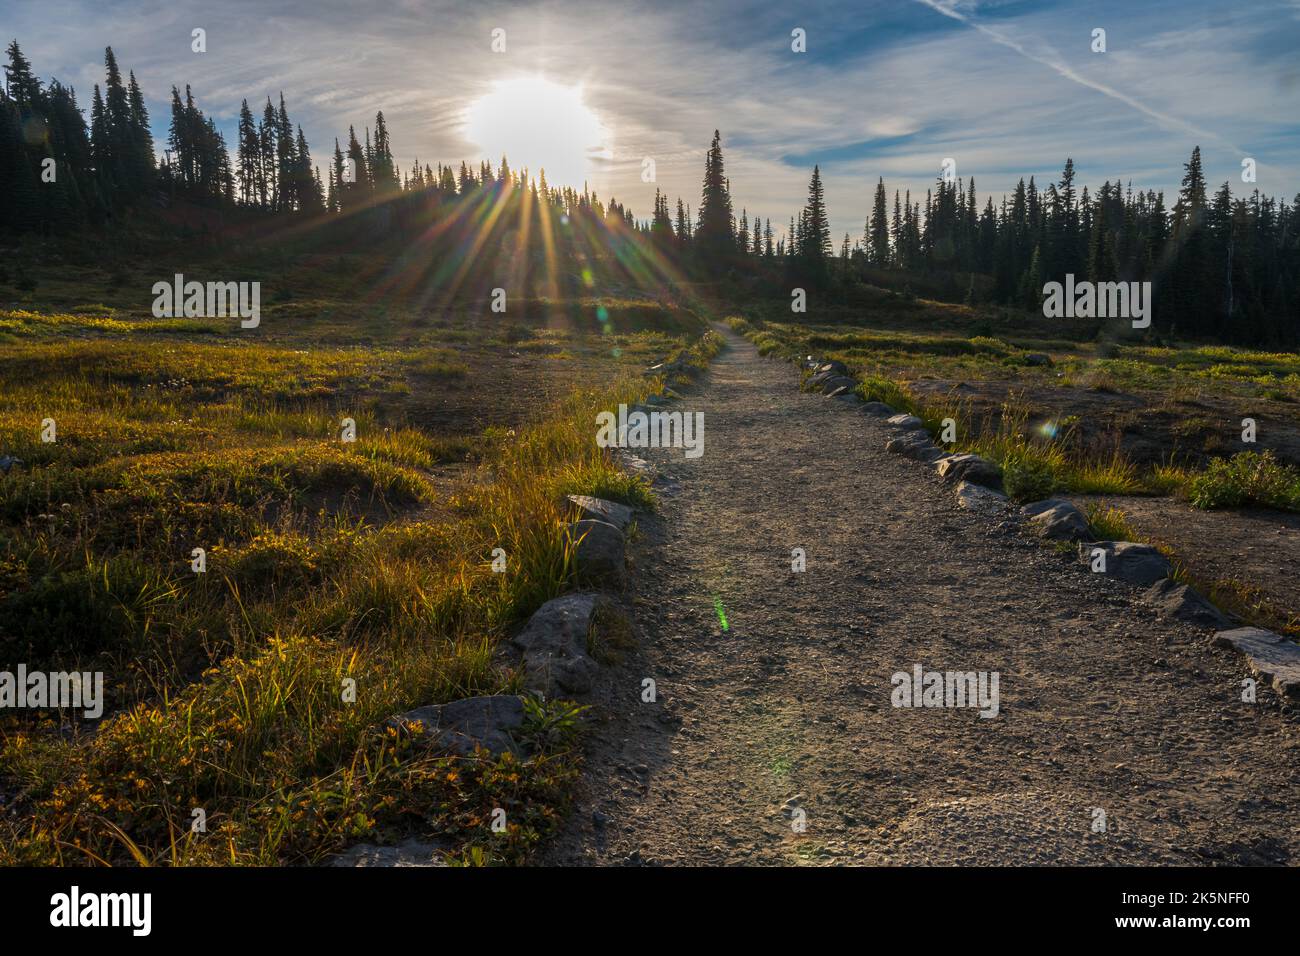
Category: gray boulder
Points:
column 1128, row 561
column 1035, row 508
column 879, row 409
column 611, row 512
column 555, row 643
column 1270, row 656
column 817, row 379
column 1038, row 358
column 833, row 367
column 462, row 725
column 906, row 422
column 1178, row 602
column 974, row 497
column 1062, row 522
column 599, row 553
column 836, row 382
column 971, row 468
column 675, row 367
column 409, row 853
column 914, row 445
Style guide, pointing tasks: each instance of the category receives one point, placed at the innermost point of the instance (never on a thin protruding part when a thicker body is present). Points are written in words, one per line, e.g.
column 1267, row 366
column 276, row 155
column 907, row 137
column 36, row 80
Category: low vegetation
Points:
column 329, row 565
column 1247, row 479
column 1043, row 446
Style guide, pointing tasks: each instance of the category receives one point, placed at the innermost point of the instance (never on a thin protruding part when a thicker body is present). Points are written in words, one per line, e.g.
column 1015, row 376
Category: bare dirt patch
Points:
column 1255, row 548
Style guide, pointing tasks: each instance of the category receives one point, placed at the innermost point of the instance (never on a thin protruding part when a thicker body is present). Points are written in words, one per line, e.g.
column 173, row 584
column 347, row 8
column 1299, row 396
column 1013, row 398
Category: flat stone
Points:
column 1062, row 522
column 971, row 468
column 599, row 553
column 879, row 409
column 833, row 367
column 978, row 498
column 1038, row 507
column 1178, row 602
column 836, row 382
column 666, row 368
column 409, row 853
column 554, row 644
column 1270, row 656
column 611, row 512
column 914, row 445
column 461, row 725
column 848, row 398
column 1129, row 561
column 635, row 465
column 907, row 422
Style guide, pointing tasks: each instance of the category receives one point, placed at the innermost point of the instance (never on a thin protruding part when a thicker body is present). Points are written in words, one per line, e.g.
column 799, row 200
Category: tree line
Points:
column 1222, row 266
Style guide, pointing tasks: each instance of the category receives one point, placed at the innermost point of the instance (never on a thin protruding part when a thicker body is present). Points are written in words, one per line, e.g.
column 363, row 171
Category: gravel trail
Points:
column 1104, row 709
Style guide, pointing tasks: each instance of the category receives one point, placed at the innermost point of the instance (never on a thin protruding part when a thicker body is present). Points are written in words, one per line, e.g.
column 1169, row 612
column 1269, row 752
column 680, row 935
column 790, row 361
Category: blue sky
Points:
column 886, row 88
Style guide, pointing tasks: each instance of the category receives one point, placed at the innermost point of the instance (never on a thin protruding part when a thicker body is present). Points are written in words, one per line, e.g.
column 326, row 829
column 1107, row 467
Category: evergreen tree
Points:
column 815, row 234
column 714, row 241
column 249, row 156
column 139, row 162
column 879, row 253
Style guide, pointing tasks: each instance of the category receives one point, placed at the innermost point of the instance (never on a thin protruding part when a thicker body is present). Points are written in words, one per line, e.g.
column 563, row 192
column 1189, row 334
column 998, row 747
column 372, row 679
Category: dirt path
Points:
column 1101, row 706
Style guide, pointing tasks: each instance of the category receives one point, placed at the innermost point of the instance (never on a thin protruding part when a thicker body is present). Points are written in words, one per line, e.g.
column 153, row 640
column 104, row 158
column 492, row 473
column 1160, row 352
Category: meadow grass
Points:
column 327, row 563
column 1037, row 463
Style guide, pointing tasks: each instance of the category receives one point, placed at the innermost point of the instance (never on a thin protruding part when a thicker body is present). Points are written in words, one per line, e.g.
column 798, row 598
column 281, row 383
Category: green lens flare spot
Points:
column 722, row 614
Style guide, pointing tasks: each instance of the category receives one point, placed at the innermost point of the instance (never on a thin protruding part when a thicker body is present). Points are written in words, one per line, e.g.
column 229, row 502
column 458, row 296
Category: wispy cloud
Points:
column 949, row 9
column 885, row 89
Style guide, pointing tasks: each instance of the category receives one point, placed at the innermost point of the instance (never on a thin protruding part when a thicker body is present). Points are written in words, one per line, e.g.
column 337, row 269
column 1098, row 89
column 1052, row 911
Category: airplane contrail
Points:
column 948, row 10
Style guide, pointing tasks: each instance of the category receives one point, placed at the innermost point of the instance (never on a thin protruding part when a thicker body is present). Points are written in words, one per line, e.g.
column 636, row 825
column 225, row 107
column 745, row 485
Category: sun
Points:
column 540, row 124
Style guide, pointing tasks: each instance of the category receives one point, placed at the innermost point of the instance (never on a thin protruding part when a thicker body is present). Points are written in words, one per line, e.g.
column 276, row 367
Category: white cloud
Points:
column 999, row 96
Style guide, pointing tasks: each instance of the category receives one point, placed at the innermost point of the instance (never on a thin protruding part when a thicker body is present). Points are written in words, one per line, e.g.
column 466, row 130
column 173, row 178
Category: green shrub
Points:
column 1027, row 478
column 890, row 392
column 1110, row 524
column 989, row 345
column 105, row 604
column 272, row 559
column 1251, row 478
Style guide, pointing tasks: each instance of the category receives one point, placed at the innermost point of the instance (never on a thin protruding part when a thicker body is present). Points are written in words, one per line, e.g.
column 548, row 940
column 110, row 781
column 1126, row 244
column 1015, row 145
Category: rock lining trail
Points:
column 1102, row 705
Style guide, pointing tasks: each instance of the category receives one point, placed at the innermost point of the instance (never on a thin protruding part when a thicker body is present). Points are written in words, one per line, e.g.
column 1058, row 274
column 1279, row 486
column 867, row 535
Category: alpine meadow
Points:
column 902, row 471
